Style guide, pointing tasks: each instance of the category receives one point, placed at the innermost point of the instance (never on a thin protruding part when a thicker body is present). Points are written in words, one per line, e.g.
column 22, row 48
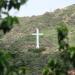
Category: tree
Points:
column 62, row 36
column 64, row 61
column 7, row 23
column 8, row 4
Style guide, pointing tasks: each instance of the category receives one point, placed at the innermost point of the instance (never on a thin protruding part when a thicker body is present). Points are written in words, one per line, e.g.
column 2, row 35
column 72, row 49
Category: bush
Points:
column 37, row 50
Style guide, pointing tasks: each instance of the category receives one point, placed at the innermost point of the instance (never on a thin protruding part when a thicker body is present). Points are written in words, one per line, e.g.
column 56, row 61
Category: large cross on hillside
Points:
column 37, row 37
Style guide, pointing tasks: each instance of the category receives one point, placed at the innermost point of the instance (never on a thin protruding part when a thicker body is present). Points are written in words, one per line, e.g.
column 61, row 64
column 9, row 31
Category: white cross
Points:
column 37, row 37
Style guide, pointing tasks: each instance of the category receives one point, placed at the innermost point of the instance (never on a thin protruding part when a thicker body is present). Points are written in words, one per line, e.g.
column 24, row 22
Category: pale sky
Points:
column 39, row 7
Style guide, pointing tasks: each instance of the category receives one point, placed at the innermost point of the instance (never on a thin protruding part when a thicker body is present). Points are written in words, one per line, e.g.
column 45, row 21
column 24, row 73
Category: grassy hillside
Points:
column 20, row 38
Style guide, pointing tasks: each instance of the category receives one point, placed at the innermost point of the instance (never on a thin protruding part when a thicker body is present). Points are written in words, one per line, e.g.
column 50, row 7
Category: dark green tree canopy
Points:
column 7, row 22
column 11, row 3
column 62, row 36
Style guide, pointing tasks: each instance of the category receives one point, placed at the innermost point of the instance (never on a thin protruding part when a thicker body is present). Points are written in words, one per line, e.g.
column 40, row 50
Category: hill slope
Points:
column 20, row 38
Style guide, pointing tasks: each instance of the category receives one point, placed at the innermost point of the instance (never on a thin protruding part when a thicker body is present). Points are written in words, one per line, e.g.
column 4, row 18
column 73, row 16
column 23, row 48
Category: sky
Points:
column 39, row 7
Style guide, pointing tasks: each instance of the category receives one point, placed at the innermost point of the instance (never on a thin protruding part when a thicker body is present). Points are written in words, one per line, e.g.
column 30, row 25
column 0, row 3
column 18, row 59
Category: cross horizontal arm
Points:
column 38, row 34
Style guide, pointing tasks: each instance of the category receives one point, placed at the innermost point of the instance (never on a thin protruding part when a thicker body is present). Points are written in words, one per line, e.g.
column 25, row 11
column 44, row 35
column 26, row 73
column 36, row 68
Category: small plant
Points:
column 47, row 71
column 4, row 61
column 18, row 70
column 71, row 52
column 37, row 50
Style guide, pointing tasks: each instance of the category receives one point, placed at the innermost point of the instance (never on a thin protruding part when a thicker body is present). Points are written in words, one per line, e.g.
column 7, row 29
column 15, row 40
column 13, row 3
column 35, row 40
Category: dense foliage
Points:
column 11, row 3
column 4, row 61
column 64, row 61
column 6, row 24
column 62, row 36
